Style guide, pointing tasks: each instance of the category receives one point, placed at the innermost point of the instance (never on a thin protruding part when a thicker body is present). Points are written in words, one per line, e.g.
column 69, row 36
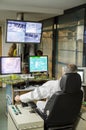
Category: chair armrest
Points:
column 43, row 116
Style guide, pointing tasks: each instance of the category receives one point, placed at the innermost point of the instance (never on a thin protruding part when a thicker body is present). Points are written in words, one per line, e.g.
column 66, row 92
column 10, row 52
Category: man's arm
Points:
column 42, row 92
column 37, row 94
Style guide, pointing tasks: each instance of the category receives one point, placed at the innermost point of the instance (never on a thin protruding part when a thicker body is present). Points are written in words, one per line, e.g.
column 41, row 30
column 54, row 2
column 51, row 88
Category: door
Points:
column 0, row 41
column 0, row 46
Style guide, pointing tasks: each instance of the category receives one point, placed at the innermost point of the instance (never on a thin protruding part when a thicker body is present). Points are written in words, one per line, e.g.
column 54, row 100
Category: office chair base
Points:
column 69, row 127
column 60, row 129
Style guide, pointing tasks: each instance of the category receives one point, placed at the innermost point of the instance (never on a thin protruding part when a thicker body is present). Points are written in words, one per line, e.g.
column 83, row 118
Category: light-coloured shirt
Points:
column 43, row 92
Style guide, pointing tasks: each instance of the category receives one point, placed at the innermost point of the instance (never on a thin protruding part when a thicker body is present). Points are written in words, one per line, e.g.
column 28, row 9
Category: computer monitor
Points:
column 38, row 64
column 81, row 73
column 10, row 65
column 19, row 31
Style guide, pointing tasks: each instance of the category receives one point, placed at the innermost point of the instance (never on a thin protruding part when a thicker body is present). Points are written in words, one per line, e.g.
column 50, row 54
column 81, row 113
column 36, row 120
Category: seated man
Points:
column 46, row 90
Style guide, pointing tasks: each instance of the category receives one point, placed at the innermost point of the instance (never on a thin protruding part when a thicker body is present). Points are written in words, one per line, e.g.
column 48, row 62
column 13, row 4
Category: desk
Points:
column 12, row 89
column 20, row 118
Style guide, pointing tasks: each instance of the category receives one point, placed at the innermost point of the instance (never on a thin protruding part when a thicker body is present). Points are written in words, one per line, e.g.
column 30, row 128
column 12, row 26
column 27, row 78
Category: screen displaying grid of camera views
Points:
column 23, row 32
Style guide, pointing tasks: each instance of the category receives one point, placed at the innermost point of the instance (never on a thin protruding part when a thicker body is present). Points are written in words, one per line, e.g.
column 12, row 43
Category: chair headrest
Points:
column 70, row 82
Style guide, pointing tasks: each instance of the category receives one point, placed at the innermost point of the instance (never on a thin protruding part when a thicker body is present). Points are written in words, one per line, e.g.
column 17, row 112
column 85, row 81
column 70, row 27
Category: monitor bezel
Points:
column 9, row 72
column 37, row 71
column 22, row 42
column 81, row 70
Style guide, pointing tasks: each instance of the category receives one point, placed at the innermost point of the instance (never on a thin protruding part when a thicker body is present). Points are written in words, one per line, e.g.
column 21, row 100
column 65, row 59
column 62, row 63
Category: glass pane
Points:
column 67, row 44
column 70, row 39
column 46, row 46
column 79, row 59
column 66, row 56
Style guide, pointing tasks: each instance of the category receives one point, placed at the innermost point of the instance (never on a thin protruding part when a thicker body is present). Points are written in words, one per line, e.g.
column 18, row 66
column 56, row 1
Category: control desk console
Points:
column 22, row 118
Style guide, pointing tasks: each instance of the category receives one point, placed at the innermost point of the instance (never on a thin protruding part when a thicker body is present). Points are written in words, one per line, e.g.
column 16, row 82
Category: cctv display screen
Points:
column 23, row 31
column 38, row 63
column 10, row 65
column 81, row 73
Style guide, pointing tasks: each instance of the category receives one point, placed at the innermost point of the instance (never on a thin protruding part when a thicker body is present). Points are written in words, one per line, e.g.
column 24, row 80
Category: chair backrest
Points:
column 63, row 107
column 70, row 82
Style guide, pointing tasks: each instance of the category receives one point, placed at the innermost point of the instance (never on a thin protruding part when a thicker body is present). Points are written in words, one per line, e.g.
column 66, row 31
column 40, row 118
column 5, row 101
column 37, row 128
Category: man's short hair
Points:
column 71, row 68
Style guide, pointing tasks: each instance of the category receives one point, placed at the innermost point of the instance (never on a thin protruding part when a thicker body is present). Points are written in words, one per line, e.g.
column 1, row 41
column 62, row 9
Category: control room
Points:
column 43, row 65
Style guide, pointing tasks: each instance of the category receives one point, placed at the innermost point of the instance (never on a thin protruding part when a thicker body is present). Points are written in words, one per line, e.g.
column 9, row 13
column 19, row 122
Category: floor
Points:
column 82, row 121
column 3, row 116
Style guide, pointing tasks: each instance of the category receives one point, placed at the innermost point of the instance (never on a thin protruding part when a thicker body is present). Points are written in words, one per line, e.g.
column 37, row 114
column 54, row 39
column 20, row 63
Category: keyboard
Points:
column 26, row 76
column 32, row 104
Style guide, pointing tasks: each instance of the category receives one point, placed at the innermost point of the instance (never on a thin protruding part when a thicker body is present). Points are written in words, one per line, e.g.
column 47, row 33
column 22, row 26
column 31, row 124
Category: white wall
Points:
column 3, row 16
column 5, row 46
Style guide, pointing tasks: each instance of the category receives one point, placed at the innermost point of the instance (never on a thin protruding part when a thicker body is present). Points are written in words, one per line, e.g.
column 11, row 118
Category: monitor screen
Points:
column 38, row 63
column 81, row 73
column 23, row 31
column 10, row 65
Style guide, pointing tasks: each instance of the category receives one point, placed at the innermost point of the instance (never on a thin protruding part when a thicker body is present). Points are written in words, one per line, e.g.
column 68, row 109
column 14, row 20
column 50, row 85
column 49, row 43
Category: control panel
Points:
column 22, row 118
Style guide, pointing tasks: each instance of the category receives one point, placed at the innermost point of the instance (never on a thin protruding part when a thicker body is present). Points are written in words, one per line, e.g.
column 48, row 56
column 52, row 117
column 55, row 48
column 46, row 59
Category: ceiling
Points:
column 36, row 9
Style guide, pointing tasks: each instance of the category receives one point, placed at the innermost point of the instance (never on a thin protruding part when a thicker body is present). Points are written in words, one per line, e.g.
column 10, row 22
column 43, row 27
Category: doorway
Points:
column 0, row 41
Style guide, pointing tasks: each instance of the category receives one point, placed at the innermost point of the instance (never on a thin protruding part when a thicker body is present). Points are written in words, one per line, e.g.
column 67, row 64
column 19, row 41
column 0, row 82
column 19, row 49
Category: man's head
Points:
column 39, row 53
column 70, row 68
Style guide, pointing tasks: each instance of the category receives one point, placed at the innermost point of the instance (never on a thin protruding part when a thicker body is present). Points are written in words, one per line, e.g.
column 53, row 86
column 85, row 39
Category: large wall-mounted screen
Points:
column 23, row 31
